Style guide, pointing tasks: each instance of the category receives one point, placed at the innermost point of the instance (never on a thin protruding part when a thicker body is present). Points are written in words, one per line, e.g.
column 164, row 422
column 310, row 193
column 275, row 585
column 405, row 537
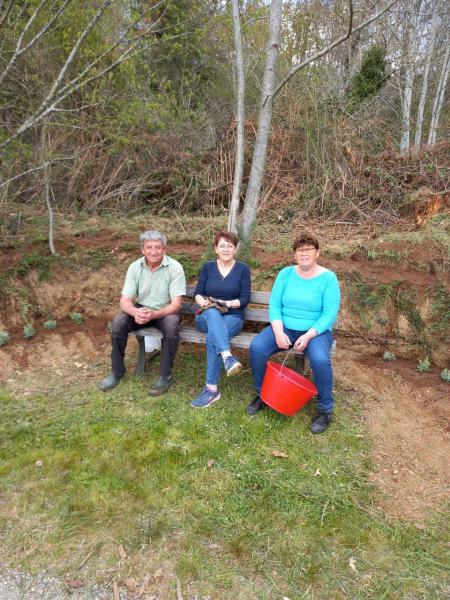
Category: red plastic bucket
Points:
column 284, row 390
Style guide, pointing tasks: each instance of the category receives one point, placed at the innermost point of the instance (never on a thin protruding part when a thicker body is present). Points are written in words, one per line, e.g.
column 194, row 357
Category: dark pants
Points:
column 124, row 324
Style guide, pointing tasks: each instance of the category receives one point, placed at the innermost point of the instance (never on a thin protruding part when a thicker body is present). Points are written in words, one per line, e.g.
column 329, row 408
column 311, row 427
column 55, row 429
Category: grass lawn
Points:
column 199, row 494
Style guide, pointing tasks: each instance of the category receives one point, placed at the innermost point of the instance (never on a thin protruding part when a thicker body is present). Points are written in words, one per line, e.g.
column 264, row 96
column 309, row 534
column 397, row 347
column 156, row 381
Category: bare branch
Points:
column 20, row 40
column 7, row 11
column 108, row 51
column 333, row 45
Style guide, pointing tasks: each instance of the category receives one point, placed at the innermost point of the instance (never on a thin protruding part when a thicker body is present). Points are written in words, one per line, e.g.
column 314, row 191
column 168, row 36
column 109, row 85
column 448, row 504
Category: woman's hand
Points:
column 202, row 301
column 282, row 340
column 301, row 342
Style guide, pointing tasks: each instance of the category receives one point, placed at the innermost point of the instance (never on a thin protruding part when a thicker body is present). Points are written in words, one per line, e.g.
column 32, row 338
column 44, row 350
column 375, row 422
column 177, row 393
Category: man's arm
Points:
column 143, row 315
column 170, row 309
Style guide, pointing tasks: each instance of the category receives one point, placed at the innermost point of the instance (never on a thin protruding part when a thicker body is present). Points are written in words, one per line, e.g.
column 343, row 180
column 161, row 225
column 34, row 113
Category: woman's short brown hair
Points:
column 304, row 238
column 229, row 236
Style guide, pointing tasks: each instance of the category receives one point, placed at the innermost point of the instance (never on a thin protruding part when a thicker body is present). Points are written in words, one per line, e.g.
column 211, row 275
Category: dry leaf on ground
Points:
column 74, row 583
column 279, row 454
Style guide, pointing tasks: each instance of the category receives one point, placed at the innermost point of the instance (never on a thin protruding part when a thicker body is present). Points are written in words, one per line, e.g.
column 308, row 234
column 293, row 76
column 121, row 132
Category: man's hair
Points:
column 226, row 235
column 154, row 236
column 304, row 238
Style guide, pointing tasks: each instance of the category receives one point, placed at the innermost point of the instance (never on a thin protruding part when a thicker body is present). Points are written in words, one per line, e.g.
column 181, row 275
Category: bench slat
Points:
column 189, row 333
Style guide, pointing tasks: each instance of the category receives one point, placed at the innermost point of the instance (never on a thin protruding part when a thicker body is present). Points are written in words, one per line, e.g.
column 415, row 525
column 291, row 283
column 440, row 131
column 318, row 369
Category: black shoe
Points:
column 320, row 422
column 161, row 386
column 255, row 405
column 109, row 382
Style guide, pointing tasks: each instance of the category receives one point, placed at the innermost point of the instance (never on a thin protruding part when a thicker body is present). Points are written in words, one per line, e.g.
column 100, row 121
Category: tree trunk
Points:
column 47, row 187
column 264, row 120
column 440, row 94
column 408, row 60
column 240, row 120
column 426, row 72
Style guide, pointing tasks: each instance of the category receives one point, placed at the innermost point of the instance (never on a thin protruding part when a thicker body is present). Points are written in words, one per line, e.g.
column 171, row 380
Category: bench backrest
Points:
column 261, row 315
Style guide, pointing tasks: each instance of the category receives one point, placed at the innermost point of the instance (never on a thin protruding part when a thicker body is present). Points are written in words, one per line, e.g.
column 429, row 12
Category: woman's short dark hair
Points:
column 304, row 238
column 229, row 236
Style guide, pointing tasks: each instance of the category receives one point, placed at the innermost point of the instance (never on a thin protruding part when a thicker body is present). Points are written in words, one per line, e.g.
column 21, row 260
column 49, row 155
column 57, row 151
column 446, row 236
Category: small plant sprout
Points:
column 389, row 356
column 29, row 331
column 76, row 317
column 445, row 375
column 4, row 338
column 50, row 324
column 424, row 365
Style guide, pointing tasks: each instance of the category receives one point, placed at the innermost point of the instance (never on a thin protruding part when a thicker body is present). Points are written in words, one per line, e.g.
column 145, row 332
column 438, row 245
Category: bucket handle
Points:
column 285, row 359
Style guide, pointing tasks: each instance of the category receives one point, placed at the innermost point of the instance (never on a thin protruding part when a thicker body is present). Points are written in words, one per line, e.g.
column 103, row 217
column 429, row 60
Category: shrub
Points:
column 424, row 365
column 29, row 331
column 4, row 338
column 76, row 317
column 369, row 80
column 50, row 324
column 445, row 375
column 389, row 356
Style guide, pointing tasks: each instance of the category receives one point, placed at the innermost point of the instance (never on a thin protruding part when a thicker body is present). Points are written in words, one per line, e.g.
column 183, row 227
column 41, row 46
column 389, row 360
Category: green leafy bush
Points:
column 4, row 338
column 389, row 356
column 445, row 375
column 50, row 324
column 29, row 331
column 424, row 365
column 76, row 317
column 369, row 80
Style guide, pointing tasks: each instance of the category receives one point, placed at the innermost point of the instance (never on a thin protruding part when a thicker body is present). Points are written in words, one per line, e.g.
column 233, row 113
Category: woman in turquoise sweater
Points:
column 302, row 310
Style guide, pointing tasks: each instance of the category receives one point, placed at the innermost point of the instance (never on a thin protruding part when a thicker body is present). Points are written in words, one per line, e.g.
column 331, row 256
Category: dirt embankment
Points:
column 385, row 306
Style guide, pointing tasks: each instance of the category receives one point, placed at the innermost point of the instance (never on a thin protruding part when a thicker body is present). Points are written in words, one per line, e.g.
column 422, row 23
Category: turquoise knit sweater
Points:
column 305, row 303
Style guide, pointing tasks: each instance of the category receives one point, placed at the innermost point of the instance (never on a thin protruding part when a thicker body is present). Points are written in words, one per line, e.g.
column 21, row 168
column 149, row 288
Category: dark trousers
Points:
column 124, row 324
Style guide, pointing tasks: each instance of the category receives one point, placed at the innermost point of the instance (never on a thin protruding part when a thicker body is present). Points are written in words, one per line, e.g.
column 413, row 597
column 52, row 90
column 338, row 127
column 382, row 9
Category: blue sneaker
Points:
column 205, row 398
column 232, row 365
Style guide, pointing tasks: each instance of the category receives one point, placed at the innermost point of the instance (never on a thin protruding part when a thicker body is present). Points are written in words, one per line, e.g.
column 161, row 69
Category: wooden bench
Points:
column 190, row 334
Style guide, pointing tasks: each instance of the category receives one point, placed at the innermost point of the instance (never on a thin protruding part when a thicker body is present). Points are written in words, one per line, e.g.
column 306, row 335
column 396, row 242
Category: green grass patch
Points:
column 201, row 489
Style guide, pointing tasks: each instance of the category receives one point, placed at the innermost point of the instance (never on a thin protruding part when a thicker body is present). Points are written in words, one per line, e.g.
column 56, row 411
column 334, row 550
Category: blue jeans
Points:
column 317, row 352
column 219, row 329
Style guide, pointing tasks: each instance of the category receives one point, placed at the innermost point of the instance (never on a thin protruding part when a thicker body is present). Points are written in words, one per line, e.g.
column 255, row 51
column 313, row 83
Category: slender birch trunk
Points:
column 47, row 187
column 264, row 120
column 440, row 94
column 240, row 120
column 406, row 96
column 426, row 72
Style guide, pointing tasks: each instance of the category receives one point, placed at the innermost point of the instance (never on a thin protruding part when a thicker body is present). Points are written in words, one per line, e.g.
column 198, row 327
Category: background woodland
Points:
column 130, row 105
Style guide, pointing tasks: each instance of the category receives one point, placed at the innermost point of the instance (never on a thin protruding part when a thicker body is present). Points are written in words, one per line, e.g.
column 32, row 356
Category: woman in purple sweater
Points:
column 227, row 280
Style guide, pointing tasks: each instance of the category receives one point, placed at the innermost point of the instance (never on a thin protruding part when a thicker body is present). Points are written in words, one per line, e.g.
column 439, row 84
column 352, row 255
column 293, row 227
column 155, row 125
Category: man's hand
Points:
column 143, row 315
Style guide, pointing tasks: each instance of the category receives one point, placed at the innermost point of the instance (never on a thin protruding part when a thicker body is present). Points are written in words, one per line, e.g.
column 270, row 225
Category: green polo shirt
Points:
column 154, row 289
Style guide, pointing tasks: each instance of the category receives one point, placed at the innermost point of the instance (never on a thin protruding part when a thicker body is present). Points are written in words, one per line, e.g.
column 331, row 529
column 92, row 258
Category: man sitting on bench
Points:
column 152, row 295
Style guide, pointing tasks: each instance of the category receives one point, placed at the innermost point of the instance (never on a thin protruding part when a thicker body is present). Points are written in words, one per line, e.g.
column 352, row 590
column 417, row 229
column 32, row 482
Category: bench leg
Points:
column 300, row 363
column 140, row 366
